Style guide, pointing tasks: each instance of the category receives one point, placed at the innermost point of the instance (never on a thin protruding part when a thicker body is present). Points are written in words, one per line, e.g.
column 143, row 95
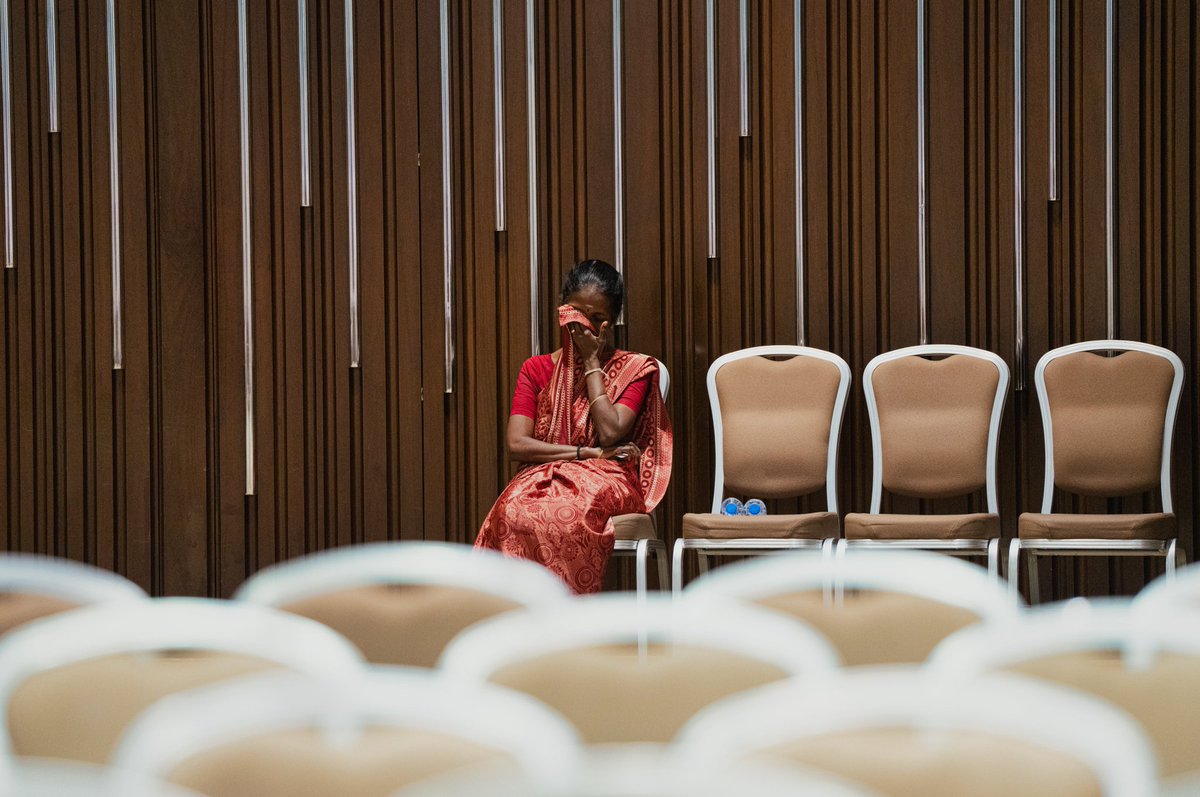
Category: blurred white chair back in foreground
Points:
column 624, row 670
column 1181, row 592
column 402, row 602
column 876, row 607
column 53, row 778
column 283, row 733
column 34, row 586
column 70, row 684
column 904, row 732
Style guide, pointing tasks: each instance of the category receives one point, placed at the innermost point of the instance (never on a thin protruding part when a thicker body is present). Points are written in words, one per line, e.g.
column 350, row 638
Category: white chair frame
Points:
column 744, row 546
column 641, row 549
column 1182, row 592
column 48, row 777
column 616, row 619
column 1109, row 743
column 961, row 547
column 170, row 624
column 186, row 724
column 439, row 563
column 1170, row 549
column 65, row 579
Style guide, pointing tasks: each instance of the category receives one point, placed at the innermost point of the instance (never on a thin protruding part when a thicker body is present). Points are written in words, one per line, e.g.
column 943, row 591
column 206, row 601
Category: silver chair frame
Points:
column 1168, row 549
column 749, row 546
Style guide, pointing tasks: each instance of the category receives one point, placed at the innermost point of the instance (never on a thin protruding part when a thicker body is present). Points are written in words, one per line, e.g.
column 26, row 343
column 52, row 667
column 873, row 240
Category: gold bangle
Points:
column 586, row 374
column 597, row 398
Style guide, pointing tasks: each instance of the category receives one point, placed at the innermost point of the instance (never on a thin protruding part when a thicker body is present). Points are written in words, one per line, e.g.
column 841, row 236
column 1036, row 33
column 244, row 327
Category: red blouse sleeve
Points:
column 531, row 380
column 635, row 395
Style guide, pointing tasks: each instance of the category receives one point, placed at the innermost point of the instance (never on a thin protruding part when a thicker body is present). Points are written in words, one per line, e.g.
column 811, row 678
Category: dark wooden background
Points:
column 141, row 470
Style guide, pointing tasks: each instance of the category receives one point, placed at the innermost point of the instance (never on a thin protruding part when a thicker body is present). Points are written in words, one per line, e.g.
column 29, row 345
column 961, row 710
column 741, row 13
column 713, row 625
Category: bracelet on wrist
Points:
column 597, row 398
column 578, row 452
column 591, row 371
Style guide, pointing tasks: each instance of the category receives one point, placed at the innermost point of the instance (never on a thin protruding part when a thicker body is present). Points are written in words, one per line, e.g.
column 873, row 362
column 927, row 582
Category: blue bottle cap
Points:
column 732, row 506
column 755, row 507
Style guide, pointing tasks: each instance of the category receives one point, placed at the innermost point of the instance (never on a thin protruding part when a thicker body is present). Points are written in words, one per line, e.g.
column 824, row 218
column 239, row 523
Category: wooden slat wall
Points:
column 141, row 470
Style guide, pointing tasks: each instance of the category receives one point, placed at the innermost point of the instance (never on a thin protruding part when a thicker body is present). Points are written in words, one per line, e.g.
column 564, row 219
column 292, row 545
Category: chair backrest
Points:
column 1108, row 422
column 935, row 423
column 876, row 607
column 402, row 602
column 906, row 731
column 70, row 684
column 285, row 733
column 664, row 378
column 56, row 778
column 776, row 422
column 627, row 670
column 1145, row 662
column 1178, row 592
column 34, row 586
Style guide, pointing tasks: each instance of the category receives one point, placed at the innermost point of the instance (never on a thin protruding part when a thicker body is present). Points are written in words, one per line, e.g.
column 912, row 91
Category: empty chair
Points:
column 34, row 586
column 637, row 534
column 280, row 734
column 776, row 424
column 903, row 732
column 876, row 607
column 401, row 602
column 935, row 426
column 1147, row 662
column 1108, row 425
column 627, row 671
column 70, row 684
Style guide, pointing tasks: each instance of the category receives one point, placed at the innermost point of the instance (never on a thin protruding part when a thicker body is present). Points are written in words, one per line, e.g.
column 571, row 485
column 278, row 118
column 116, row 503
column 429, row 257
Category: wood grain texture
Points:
column 141, row 470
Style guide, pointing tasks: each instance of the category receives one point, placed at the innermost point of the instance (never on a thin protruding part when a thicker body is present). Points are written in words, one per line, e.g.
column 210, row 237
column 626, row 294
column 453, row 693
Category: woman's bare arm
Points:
column 524, row 447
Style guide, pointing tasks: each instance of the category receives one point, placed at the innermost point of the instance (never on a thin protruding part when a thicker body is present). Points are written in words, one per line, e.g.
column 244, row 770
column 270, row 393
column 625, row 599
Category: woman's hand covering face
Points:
column 587, row 345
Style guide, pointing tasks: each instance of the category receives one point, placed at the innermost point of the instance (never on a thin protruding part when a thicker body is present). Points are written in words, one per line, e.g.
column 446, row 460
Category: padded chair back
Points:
column 935, row 423
column 1108, row 422
column 776, row 422
column 34, row 586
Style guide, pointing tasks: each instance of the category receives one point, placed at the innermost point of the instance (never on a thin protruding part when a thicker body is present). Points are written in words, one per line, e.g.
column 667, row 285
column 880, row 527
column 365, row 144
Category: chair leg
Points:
column 702, row 561
column 993, row 557
column 660, row 559
column 677, row 568
column 1014, row 567
column 641, row 561
column 1035, row 587
column 1172, row 552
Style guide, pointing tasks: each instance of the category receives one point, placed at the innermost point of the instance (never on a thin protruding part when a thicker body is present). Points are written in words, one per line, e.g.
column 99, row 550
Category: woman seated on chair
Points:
column 591, row 425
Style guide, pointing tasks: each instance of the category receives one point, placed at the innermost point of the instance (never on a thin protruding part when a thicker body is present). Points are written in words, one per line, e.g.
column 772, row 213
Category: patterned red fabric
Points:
column 558, row 513
column 535, row 375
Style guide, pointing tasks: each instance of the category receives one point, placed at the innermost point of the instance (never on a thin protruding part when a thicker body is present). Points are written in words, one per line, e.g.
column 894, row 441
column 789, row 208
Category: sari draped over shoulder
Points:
column 559, row 513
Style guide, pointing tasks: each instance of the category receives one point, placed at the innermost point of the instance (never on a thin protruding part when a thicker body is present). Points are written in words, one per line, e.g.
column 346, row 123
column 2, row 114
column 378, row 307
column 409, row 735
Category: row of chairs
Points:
column 238, row 697
column 935, row 414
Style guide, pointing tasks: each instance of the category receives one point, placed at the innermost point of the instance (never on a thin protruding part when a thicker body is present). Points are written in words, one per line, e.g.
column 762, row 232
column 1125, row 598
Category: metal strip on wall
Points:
column 922, row 223
column 1110, row 176
column 1019, row 190
column 618, row 143
column 447, row 197
column 531, row 126
column 305, row 164
column 52, row 62
column 10, row 234
column 801, row 266
column 247, row 251
column 711, row 129
column 351, row 185
column 1052, row 108
column 114, row 184
column 743, row 71
column 498, row 113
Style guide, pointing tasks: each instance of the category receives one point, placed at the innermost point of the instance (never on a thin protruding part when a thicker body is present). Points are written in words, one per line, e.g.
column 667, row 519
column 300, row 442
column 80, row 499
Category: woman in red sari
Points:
column 590, row 423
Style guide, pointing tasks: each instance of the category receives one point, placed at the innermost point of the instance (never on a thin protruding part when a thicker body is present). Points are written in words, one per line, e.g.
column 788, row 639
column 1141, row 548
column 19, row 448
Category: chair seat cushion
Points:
column 977, row 526
column 709, row 526
column 638, row 526
column 1062, row 526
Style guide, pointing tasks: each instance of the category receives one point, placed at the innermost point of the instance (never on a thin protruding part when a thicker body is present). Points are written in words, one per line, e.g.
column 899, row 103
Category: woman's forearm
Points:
column 534, row 451
column 606, row 420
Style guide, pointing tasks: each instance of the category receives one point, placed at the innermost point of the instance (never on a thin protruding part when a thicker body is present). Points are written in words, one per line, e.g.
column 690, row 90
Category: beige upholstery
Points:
column 1161, row 698
column 611, row 695
column 775, row 416
column 406, row 624
column 978, row 526
column 18, row 608
column 906, row 763
column 1107, row 416
column 303, row 764
column 1153, row 526
column 934, row 417
column 709, row 526
column 79, row 711
column 634, row 527
column 876, row 627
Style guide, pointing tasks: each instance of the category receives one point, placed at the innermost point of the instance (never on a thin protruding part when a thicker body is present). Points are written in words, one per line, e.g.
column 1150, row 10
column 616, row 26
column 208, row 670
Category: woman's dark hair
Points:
column 599, row 275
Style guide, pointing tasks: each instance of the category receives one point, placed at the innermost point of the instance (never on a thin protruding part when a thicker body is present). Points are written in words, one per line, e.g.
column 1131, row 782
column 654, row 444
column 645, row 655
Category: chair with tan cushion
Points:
column 876, row 607
column 626, row 670
column 281, row 734
column 904, row 731
column 34, row 586
column 1143, row 659
column 777, row 415
column 402, row 602
column 935, row 427
column 1108, row 425
column 637, row 534
column 70, row 684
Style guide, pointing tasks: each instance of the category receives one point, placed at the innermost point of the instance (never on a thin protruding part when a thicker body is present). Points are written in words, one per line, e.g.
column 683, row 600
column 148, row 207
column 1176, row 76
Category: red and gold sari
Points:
column 558, row 513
